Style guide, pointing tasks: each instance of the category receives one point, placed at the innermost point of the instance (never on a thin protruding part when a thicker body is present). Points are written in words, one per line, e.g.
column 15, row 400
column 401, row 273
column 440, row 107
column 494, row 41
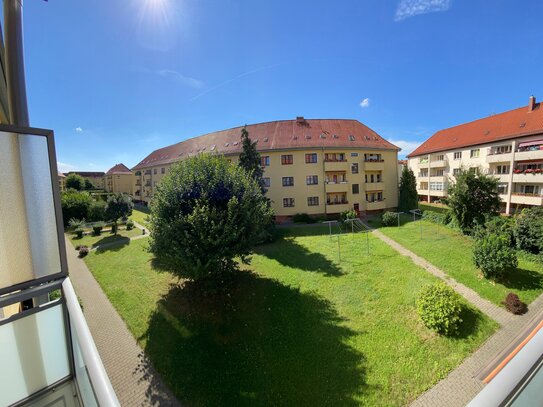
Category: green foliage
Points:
column 529, row 230
column 97, row 211
column 437, row 217
column 472, row 198
column 493, row 255
column 303, row 218
column 514, row 305
column 74, row 181
column 83, row 251
column 424, row 206
column 347, row 215
column 409, row 198
column 205, row 214
column 75, row 204
column 502, row 225
column 97, row 228
column 249, row 159
column 88, row 184
column 439, row 308
column 129, row 224
column 79, row 232
column 76, row 223
column 118, row 206
column 389, row 219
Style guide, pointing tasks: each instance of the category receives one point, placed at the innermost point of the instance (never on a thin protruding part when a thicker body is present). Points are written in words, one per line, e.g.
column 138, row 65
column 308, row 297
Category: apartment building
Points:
column 508, row 145
column 61, row 181
column 314, row 166
column 95, row 177
column 119, row 179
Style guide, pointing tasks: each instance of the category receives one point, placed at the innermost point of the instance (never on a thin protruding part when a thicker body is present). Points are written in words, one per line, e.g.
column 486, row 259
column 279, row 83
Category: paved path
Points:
column 132, row 376
column 463, row 383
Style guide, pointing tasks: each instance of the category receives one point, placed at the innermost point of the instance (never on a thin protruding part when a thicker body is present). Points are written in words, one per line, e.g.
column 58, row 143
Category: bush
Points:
column 118, row 206
column 302, row 218
column 79, row 233
column 529, row 230
column 346, row 215
column 439, row 308
column 502, row 225
column 129, row 224
column 435, row 217
column 97, row 211
column 97, row 228
column 389, row 219
column 75, row 205
column 76, row 223
column 83, row 251
column 514, row 305
column 206, row 214
column 74, row 181
column 493, row 256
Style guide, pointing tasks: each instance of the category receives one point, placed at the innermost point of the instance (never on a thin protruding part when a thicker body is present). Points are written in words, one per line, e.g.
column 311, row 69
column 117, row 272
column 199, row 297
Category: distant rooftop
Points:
column 119, row 169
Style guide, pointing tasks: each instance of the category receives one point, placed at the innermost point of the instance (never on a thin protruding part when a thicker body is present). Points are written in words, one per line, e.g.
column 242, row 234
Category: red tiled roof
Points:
column 276, row 135
column 61, row 175
column 119, row 169
column 511, row 124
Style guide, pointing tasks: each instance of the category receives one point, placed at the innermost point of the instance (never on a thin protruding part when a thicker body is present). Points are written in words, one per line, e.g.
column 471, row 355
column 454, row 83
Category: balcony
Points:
column 337, row 207
column 437, row 193
column 438, row 164
column 375, row 205
column 336, row 165
column 374, row 186
column 337, row 186
column 439, row 178
column 501, row 177
column 422, row 191
column 374, row 165
column 422, row 175
column 526, row 199
column 499, row 157
column 423, row 163
column 531, row 177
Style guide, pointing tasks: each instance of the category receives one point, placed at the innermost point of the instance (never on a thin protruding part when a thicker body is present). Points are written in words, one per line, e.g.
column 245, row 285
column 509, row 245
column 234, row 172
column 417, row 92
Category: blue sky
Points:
column 117, row 79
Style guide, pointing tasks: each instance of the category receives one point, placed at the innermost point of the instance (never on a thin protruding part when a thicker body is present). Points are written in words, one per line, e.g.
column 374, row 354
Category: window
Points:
column 502, row 149
column 474, row 170
column 356, row 189
column 373, row 157
column 265, row 161
column 266, row 181
column 474, row 153
column 288, row 181
column 311, row 158
column 154, row 184
column 378, row 177
column 439, row 173
column 287, row 159
column 502, row 169
column 502, row 188
column 436, row 186
column 529, row 189
column 312, row 180
column 354, row 168
column 440, row 157
column 288, row 202
column 313, row 201
column 372, row 178
column 155, row 171
column 334, row 157
column 456, row 171
column 354, row 154
column 458, row 155
column 163, row 170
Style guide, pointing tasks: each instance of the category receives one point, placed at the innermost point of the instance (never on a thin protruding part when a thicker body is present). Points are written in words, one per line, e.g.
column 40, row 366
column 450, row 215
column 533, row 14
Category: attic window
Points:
column 322, row 135
column 487, row 132
column 212, row 147
column 522, row 124
column 226, row 144
column 366, row 137
column 375, row 138
column 308, row 136
column 265, row 139
column 335, row 136
column 203, row 148
column 295, row 137
column 351, row 137
column 235, row 143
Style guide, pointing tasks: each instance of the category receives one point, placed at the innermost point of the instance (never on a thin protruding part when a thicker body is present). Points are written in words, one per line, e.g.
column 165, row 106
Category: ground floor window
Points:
column 288, row 202
column 266, row 181
column 313, row 201
column 356, row 189
column 502, row 189
column 436, row 186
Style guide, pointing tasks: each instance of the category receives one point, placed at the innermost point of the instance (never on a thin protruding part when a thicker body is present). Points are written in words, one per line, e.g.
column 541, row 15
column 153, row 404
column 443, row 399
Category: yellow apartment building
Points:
column 313, row 166
column 119, row 179
column 61, row 181
column 507, row 145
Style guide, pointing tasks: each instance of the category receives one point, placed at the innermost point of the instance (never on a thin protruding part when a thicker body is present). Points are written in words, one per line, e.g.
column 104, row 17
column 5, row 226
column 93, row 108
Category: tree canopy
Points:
column 75, row 181
column 409, row 197
column 206, row 213
column 249, row 159
column 472, row 198
column 118, row 206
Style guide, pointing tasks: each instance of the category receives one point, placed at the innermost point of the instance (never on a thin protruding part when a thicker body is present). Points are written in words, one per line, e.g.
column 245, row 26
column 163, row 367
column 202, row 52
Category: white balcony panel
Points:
column 499, row 158
column 529, row 155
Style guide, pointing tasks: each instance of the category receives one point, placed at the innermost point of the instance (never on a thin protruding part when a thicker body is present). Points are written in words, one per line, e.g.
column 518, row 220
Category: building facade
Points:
column 119, row 179
column 318, row 167
column 508, row 146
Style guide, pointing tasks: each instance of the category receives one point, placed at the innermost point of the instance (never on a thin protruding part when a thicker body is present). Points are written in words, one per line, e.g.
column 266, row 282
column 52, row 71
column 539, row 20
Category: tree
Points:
column 75, row 181
column 88, row 184
column 409, row 197
column 529, row 230
column 493, row 255
column 204, row 215
column 249, row 159
column 118, row 206
column 75, row 205
column 473, row 198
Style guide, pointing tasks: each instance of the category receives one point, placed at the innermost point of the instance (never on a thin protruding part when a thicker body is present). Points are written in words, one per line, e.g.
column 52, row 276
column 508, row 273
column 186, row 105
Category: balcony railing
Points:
column 373, row 160
column 337, row 202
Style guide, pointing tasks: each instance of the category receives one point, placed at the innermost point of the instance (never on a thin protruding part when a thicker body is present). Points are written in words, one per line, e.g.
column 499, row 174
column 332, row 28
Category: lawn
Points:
column 297, row 327
column 90, row 240
column 140, row 214
column 452, row 252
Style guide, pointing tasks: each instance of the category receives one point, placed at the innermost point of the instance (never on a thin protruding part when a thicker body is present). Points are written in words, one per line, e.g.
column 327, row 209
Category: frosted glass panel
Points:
column 82, row 378
column 33, row 353
column 28, row 232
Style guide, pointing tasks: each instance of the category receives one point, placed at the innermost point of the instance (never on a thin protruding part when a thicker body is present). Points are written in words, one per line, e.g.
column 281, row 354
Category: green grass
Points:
column 139, row 215
column 297, row 327
column 90, row 240
column 451, row 251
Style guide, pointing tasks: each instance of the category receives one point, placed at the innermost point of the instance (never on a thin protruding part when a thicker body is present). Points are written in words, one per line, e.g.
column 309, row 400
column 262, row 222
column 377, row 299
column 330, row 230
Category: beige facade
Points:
column 119, row 179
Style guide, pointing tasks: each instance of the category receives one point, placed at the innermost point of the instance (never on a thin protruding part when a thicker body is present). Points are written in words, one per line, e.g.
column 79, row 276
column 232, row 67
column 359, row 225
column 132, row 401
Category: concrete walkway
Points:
column 134, row 379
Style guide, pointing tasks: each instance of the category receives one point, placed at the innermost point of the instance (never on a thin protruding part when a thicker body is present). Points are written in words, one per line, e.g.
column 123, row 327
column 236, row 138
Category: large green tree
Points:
column 249, row 159
column 118, row 206
column 409, row 198
column 75, row 205
column 473, row 197
column 75, row 181
column 205, row 214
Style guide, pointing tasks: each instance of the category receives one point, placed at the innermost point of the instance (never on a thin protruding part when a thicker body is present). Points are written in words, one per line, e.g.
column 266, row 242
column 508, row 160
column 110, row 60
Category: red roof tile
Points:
column 511, row 124
column 119, row 169
column 276, row 135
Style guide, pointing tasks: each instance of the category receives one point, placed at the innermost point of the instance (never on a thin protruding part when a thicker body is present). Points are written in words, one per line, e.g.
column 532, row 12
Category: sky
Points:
column 117, row 79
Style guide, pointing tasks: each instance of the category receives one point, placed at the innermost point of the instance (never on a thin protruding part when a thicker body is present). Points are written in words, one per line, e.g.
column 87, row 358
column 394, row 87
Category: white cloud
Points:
column 65, row 167
column 410, row 8
column 180, row 78
column 79, row 129
column 406, row 146
column 365, row 103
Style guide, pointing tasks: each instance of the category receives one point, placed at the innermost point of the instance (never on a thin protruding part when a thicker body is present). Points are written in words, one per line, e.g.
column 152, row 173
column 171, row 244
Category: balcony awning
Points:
column 531, row 143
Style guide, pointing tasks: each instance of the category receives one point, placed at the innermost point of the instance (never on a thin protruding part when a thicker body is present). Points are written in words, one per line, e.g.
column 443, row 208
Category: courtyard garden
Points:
column 298, row 326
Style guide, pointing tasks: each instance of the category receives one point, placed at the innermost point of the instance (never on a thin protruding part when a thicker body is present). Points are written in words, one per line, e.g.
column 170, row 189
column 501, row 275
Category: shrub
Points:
column 435, row 217
column 79, row 233
column 74, row 181
column 346, row 215
column 97, row 228
column 493, row 256
column 303, row 218
column 76, row 223
column 129, row 224
column 439, row 308
column 529, row 230
column 502, row 225
column 389, row 219
column 75, row 205
column 97, row 211
column 514, row 305
column 118, row 206
column 83, row 251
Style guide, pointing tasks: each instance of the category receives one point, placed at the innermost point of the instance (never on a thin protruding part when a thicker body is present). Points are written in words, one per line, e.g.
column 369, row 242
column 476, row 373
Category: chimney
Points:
column 300, row 119
column 531, row 103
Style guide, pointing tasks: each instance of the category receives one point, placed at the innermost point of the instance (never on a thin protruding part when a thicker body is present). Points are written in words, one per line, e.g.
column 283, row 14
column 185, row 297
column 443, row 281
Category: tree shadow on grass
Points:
column 260, row 343
column 522, row 279
column 471, row 321
column 291, row 254
column 111, row 243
